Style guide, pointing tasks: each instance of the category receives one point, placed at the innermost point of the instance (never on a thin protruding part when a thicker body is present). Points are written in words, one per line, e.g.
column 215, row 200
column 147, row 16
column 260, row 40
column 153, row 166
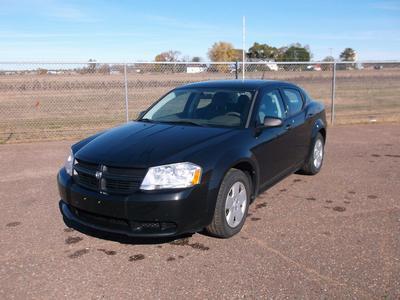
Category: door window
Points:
column 270, row 106
column 295, row 101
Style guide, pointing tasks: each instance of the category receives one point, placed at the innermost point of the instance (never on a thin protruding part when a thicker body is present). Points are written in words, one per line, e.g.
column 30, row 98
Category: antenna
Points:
column 243, row 46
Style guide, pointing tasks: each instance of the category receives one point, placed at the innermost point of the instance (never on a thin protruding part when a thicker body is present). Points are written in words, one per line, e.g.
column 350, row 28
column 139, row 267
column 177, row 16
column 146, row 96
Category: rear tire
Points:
column 316, row 156
column 232, row 205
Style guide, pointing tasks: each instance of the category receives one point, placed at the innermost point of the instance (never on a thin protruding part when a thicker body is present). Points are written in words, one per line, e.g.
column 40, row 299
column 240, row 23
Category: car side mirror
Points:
column 272, row 122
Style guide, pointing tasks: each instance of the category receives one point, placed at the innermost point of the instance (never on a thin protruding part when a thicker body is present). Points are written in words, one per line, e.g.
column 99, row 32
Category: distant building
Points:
column 272, row 66
column 193, row 70
column 55, row 72
column 316, row 67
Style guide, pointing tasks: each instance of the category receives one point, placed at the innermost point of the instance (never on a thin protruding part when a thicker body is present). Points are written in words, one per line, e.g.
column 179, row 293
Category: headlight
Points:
column 69, row 164
column 180, row 175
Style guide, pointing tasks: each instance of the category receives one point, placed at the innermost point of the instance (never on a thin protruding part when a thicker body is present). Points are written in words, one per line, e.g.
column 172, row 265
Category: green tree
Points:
column 281, row 53
column 296, row 53
column 348, row 54
column 196, row 59
column 262, row 52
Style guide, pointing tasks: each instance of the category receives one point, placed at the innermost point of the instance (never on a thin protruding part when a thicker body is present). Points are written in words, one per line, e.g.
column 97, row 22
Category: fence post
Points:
column 126, row 94
column 236, row 70
column 333, row 93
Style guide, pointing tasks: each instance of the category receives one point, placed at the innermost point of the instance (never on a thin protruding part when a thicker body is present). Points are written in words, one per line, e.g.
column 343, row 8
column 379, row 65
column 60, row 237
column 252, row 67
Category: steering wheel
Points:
column 234, row 114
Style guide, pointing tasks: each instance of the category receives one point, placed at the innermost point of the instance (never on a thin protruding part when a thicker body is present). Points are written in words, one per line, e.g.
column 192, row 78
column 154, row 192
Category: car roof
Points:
column 250, row 84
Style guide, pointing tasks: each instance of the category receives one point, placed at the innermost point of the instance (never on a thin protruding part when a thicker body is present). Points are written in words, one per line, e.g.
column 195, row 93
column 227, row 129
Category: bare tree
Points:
column 91, row 68
column 168, row 56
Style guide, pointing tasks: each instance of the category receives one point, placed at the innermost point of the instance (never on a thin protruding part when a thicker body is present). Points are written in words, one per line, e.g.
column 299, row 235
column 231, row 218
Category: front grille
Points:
column 107, row 179
column 115, row 186
column 100, row 220
column 138, row 227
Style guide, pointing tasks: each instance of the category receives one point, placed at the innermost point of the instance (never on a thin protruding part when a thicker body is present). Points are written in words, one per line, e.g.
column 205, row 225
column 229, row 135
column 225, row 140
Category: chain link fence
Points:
column 42, row 101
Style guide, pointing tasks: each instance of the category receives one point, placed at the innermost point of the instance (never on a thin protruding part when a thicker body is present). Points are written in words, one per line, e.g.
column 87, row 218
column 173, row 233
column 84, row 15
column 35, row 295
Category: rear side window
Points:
column 294, row 101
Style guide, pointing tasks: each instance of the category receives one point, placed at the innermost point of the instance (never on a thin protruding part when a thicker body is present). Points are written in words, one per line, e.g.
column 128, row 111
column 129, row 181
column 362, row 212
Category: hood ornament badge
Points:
column 98, row 174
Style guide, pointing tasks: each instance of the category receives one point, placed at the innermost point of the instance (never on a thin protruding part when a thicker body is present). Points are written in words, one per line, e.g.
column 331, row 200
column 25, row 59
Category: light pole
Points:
column 243, row 46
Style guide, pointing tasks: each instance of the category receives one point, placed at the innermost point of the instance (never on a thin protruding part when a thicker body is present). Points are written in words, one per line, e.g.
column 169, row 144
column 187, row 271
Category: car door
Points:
column 297, row 133
column 270, row 148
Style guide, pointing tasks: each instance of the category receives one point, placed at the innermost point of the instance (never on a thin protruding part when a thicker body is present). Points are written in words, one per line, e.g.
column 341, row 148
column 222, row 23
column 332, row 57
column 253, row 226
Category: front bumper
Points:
column 142, row 214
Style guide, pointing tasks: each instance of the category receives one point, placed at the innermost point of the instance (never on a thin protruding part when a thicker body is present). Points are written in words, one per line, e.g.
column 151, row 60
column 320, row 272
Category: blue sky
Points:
column 138, row 30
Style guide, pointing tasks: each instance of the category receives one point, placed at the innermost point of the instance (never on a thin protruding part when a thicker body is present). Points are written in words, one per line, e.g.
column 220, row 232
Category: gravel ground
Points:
column 334, row 235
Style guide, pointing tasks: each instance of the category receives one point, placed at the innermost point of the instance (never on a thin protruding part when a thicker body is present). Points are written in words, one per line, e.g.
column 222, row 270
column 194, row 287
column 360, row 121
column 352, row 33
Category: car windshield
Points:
column 202, row 107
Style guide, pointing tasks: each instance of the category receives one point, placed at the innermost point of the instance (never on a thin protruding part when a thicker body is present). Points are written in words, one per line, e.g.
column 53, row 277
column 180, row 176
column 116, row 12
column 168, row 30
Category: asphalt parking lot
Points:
column 334, row 235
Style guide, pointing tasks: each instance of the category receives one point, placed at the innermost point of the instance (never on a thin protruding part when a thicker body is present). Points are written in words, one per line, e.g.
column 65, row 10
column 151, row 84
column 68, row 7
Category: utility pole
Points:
column 243, row 46
column 330, row 51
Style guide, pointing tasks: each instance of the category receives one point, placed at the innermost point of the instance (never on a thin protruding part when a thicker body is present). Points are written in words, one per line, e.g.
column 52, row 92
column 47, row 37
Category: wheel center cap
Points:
column 236, row 203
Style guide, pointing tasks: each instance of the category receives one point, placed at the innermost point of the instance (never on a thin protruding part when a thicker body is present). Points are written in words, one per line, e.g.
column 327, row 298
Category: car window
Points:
column 204, row 107
column 175, row 103
column 270, row 106
column 295, row 101
column 203, row 102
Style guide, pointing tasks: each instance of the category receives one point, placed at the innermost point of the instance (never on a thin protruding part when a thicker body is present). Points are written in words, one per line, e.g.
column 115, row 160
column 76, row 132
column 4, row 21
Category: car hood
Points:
column 140, row 144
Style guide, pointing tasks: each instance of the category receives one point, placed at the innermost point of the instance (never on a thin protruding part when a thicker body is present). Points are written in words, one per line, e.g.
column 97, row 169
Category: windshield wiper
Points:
column 183, row 122
column 145, row 120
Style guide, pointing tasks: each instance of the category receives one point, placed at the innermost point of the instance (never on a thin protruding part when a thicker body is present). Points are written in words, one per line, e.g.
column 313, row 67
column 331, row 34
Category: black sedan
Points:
column 195, row 160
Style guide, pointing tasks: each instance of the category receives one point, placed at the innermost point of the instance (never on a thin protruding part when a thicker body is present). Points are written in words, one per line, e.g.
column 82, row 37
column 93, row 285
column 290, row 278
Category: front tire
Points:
column 316, row 157
column 232, row 205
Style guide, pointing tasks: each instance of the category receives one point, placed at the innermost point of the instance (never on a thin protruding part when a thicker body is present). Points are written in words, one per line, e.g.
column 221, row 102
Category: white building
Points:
column 193, row 70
